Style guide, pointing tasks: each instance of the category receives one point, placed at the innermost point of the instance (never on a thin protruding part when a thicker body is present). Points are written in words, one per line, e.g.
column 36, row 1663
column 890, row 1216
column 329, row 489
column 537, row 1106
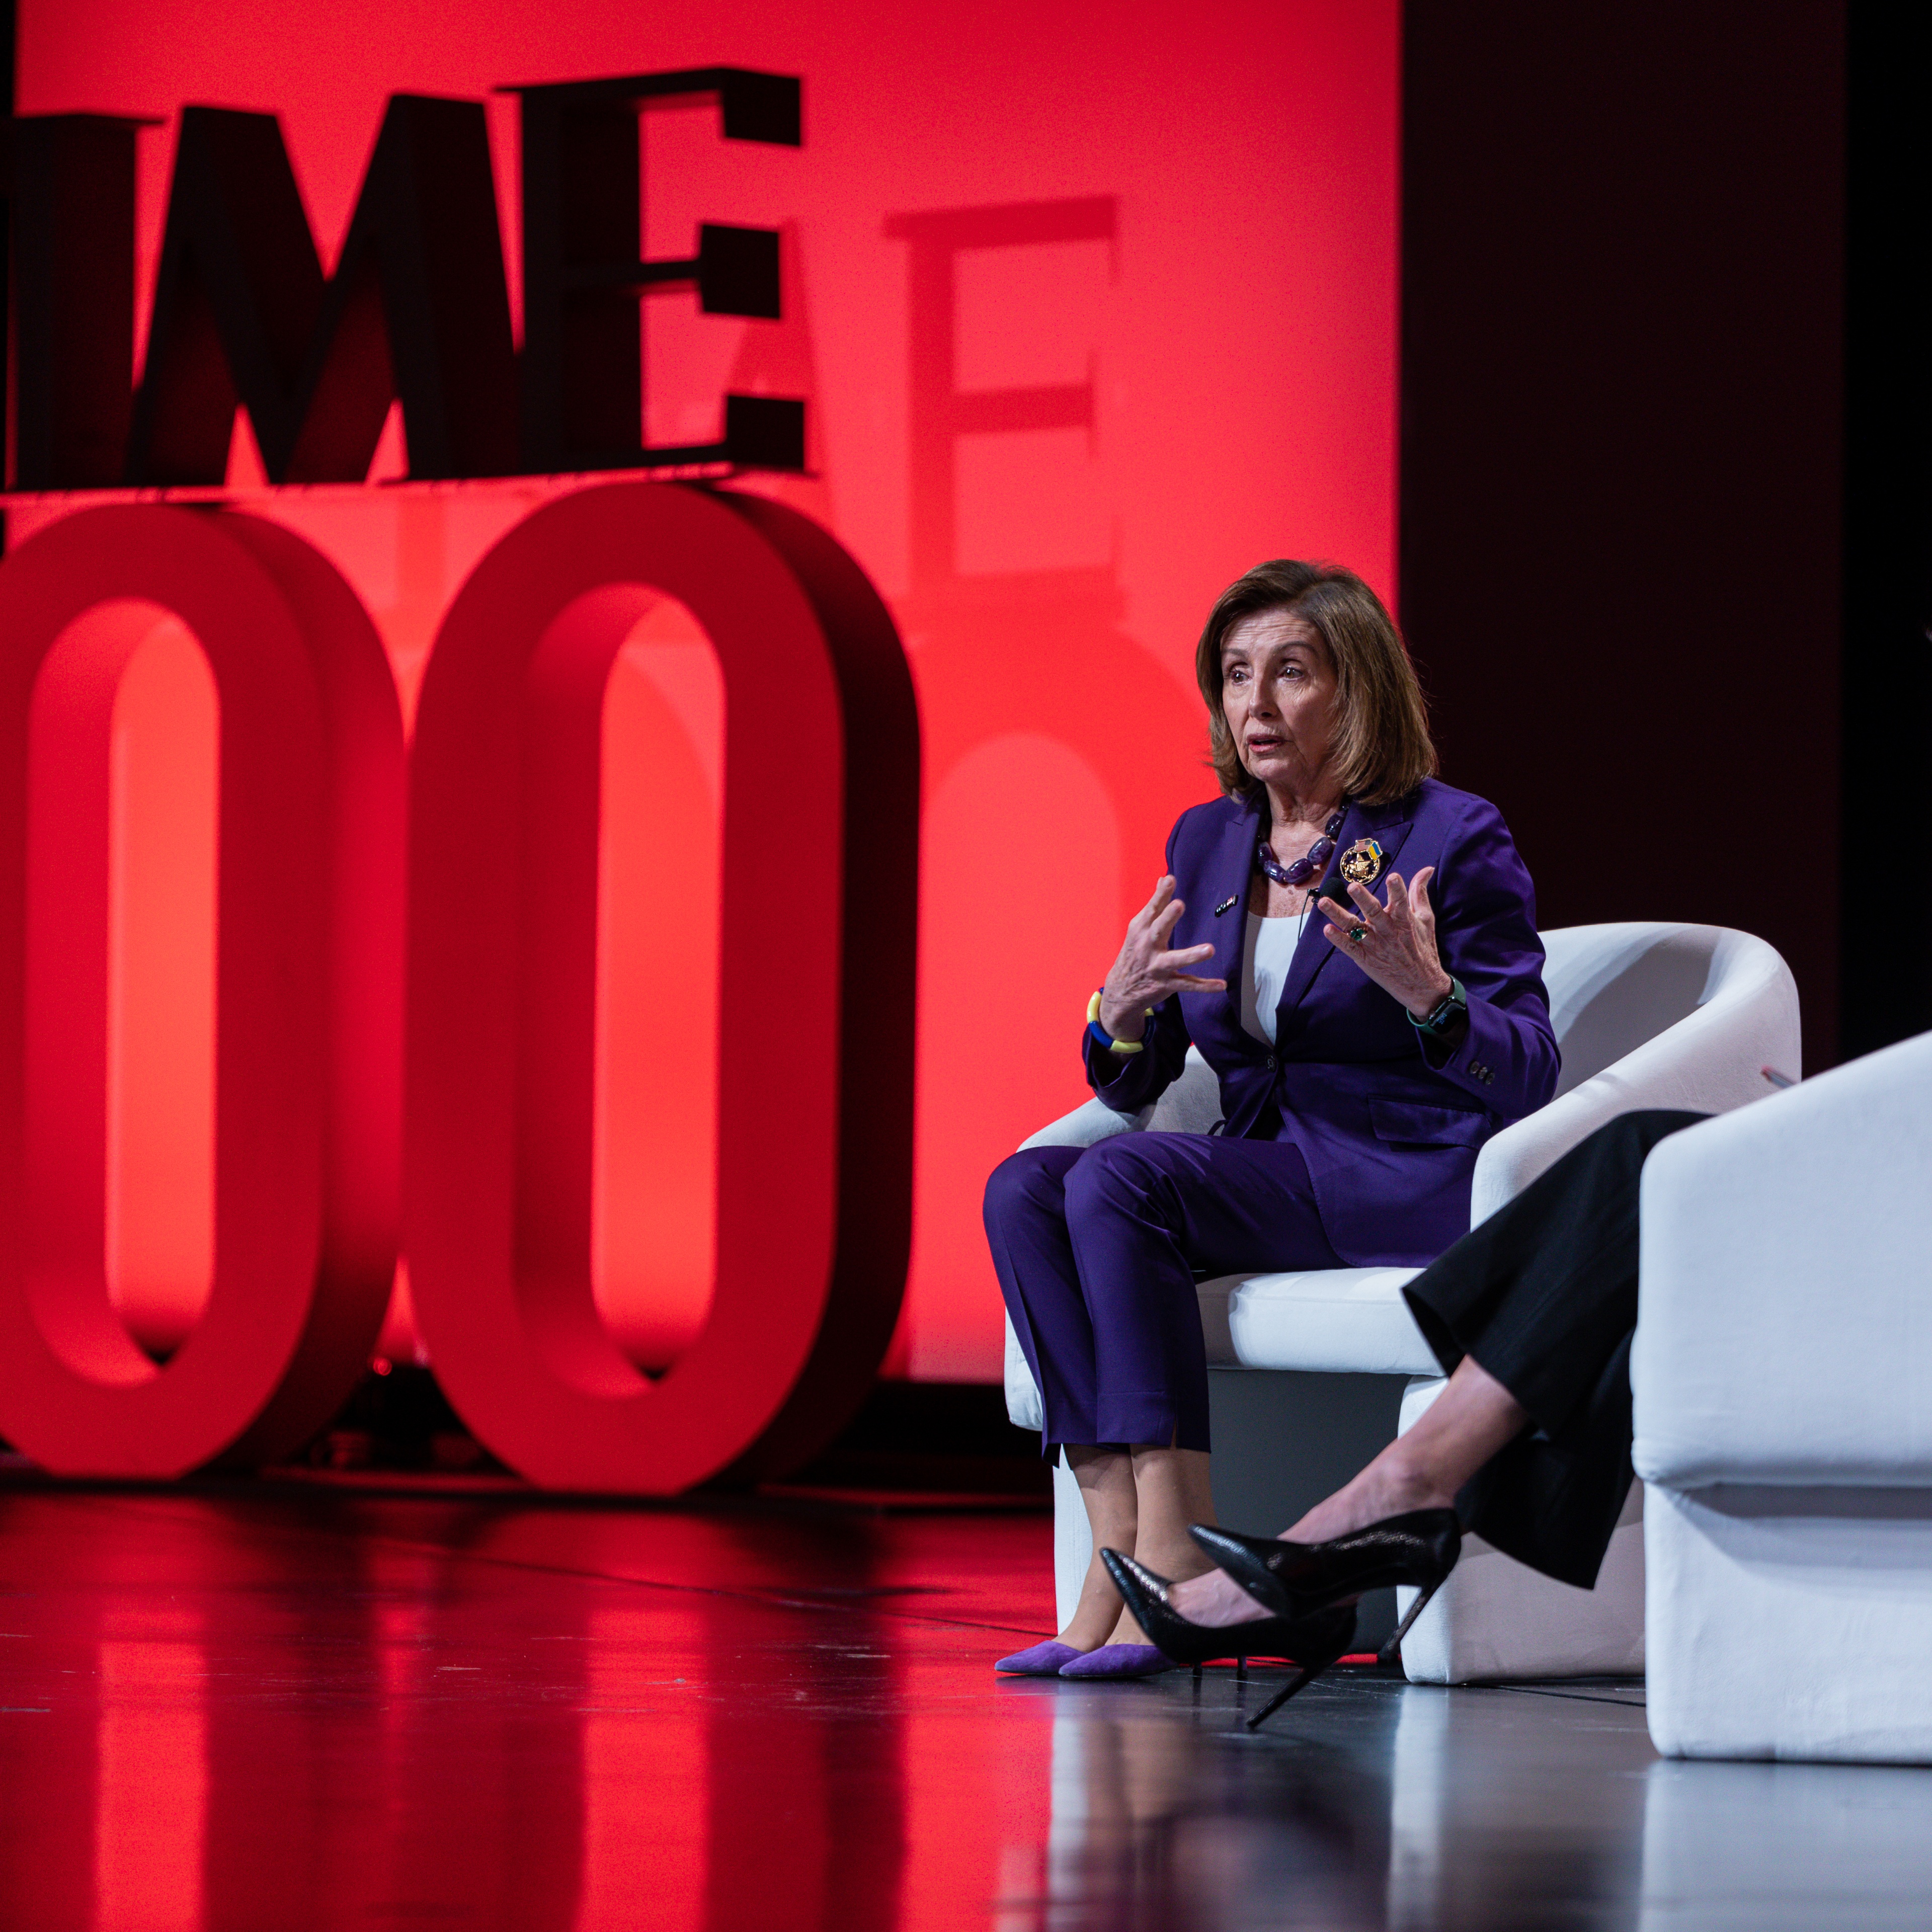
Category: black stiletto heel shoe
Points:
column 1296, row 1579
column 1319, row 1641
column 1174, row 1635
column 1314, row 1643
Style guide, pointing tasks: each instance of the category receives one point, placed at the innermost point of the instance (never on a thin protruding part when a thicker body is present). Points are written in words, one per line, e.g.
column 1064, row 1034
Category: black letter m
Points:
column 417, row 309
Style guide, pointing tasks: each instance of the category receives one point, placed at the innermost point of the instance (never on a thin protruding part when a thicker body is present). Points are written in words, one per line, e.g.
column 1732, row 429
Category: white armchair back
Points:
column 1647, row 1015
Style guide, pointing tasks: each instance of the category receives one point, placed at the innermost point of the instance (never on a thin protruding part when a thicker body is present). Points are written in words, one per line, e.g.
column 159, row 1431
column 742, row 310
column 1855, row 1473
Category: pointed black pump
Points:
column 1313, row 1642
column 1297, row 1580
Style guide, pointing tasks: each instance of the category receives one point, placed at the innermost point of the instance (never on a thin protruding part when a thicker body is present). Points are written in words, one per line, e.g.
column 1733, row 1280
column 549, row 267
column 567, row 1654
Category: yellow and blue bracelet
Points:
column 1103, row 1037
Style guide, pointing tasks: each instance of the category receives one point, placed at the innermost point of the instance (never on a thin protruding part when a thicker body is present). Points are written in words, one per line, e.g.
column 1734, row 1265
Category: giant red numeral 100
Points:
column 404, row 1048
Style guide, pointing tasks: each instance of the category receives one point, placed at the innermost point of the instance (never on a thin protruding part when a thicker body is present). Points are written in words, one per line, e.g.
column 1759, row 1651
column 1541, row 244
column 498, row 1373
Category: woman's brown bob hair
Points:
column 1383, row 750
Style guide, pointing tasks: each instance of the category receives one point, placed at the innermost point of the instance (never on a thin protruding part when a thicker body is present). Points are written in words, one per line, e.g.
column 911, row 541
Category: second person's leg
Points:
column 1546, row 1291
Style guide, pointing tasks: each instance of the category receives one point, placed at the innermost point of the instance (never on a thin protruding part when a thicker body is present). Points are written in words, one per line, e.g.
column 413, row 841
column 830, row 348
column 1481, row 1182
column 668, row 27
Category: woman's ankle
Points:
column 1403, row 1480
column 1174, row 1560
column 1100, row 1607
column 1390, row 1486
column 1086, row 1633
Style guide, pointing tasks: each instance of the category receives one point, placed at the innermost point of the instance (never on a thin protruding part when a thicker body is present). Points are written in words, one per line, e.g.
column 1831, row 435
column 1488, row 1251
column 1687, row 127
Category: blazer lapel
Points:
column 1225, row 876
column 1386, row 825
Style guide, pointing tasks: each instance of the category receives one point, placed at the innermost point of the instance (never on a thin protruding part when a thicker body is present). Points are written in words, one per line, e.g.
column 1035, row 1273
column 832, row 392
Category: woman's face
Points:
column 1278, row 695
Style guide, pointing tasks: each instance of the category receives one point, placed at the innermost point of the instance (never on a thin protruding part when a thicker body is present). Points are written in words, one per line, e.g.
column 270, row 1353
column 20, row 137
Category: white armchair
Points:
column 1646, row 1015
column 1783, row 1424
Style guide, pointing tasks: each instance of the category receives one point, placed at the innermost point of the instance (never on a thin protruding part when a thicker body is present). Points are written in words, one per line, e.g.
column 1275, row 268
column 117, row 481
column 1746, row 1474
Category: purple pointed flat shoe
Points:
column 1043, row 1660
column 1119, row 1660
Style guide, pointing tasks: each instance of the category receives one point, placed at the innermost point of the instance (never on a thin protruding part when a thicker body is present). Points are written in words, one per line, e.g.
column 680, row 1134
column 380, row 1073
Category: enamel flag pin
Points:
column 1362, row 863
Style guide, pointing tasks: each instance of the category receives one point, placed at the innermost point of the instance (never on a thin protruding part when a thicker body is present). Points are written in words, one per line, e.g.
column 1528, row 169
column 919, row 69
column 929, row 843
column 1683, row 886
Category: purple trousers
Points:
column 1098, row 1249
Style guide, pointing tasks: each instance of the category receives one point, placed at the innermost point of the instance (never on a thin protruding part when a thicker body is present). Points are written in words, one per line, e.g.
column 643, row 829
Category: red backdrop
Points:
column 1092, row 309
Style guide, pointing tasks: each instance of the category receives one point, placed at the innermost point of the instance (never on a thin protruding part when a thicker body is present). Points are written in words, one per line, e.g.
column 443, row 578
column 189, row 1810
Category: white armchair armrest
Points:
column 1191, row 1105
column 1785, row 1328
column 1093, row 1122
column 1024, row 1408
column 1608, row 986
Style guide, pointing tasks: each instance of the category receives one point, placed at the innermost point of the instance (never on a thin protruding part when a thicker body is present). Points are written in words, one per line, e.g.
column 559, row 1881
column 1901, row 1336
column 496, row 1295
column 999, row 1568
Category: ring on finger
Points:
column 1357, row 934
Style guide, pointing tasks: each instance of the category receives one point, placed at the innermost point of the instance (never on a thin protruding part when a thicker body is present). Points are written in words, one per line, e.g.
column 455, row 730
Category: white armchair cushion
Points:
column 1086, row 1126
column 1324, row 1319
column 1191, row 1104
column 1786, row 1331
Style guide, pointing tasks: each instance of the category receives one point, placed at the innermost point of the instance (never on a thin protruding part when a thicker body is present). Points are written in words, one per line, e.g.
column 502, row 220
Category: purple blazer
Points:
column 1389, row 1127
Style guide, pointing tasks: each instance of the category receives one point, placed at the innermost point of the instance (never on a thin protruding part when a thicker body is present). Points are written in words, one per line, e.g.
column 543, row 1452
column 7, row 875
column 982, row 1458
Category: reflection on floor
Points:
column 251, row 1710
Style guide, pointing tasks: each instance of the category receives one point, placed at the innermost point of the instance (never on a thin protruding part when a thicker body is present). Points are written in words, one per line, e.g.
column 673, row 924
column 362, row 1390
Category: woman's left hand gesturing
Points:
column 1394, row 944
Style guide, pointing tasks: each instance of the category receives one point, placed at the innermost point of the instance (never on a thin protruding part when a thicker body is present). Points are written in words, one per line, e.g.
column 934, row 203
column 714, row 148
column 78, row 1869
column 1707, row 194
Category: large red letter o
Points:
column 818, row 958
column 308, row 966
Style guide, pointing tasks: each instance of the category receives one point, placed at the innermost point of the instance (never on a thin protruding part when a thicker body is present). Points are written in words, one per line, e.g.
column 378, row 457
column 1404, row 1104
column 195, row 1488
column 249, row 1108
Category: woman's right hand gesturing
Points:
column 1146, row 972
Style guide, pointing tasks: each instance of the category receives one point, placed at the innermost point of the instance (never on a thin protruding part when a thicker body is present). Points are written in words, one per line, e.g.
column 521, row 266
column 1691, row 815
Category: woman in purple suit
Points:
column 1356, row 1091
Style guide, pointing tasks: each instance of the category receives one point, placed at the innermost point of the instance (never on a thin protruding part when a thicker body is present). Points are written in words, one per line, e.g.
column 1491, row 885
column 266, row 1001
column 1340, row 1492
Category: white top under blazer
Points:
column 1266, row 952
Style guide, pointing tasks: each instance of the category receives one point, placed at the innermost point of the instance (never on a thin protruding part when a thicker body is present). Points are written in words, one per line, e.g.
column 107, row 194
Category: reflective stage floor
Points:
column 281, row 1708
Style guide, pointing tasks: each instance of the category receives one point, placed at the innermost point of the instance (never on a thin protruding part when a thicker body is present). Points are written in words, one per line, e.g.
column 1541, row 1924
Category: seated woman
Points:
column 1355, row 1096
column 1531, row 1316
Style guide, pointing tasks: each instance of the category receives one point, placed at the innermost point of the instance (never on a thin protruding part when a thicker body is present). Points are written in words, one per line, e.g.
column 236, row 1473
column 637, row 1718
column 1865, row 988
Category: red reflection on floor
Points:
column 268, row 1707
column 252, row 1710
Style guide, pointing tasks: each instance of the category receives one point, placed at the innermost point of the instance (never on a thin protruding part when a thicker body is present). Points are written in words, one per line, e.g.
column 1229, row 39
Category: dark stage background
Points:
column 1623, row 248
column 1664, row 509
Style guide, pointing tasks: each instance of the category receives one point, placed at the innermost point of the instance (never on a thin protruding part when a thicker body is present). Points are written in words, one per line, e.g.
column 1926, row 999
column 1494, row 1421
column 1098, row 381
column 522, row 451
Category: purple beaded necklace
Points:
column 1311, row 861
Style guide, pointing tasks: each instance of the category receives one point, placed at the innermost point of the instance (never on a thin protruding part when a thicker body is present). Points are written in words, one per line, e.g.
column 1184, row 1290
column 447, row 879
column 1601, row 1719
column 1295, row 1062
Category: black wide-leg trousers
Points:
column 1543, row 1295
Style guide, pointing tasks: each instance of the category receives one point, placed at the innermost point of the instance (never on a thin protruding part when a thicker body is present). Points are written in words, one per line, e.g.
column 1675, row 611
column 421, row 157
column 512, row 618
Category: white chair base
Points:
column 1791, row 1624
column 1072, row 1542
column 1497, row 1619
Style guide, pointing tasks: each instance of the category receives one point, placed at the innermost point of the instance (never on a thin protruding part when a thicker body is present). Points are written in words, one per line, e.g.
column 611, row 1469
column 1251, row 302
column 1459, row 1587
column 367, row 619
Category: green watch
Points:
column 1453, row 1005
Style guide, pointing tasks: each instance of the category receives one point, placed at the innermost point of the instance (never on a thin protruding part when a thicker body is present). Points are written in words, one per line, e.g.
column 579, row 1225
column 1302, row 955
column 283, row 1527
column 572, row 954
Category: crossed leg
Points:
column 1473, row 1419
